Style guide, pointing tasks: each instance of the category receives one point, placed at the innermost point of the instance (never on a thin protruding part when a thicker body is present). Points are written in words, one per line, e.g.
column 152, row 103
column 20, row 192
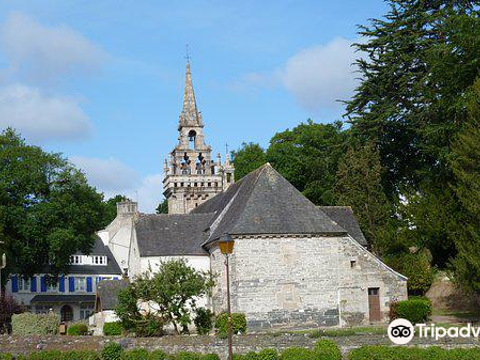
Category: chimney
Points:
column 127, row 208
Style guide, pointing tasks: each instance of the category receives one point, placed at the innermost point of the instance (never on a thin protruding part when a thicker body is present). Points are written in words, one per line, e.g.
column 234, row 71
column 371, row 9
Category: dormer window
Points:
column 99, row 260
column 75, row 259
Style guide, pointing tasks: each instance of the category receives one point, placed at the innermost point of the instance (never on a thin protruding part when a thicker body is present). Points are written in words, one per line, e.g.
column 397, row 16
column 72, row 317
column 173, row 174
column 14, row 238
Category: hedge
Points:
column 323, row 350
column 412, row 353
column 77, row 329
column 414, row 310
column 239, row 324
column 35, row 324
column 112, row 329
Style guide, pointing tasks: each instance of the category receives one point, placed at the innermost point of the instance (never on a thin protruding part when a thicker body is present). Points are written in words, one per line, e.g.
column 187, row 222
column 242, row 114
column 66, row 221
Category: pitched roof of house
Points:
column 100, row 249
column 343, row 216
column 163, row 234
column 263, row 202
column 107, row 293
column 63, row 298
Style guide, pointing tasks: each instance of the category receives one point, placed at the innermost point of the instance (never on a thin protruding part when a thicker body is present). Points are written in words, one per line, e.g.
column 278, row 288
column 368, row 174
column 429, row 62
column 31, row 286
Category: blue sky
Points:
column 102, row 81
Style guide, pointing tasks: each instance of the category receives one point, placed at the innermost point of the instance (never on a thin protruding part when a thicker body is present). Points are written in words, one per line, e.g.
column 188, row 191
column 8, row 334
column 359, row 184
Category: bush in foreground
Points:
column 239, row 324
column 35, row 324
column 112, row 329
column 111, row 351
column 414, row 310
column 412, row 353
column 77, row 329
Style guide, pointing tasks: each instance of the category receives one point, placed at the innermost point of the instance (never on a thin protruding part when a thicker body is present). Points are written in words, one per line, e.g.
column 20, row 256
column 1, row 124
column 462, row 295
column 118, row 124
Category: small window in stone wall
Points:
column 353, row 263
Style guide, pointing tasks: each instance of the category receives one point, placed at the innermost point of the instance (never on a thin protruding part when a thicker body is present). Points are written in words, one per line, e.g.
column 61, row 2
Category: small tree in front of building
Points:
column 157, row 299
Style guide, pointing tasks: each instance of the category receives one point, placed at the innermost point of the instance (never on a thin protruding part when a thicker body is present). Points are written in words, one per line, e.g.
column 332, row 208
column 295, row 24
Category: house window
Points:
column 51, row 286
column 24, row 284
column 99, row 260
column 353, row 263
column 75, row 259
column 80, row 284
column 86, row 310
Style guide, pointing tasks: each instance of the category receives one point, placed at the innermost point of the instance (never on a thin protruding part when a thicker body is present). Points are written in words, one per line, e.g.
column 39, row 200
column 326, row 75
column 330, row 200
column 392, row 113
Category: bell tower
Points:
column 190, row 175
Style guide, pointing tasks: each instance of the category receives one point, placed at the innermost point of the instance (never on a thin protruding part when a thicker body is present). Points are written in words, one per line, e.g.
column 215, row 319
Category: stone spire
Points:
column 190, row 116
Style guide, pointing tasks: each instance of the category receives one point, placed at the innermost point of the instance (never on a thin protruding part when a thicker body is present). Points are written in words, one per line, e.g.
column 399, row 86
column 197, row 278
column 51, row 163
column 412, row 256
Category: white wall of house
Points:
column 25, row 291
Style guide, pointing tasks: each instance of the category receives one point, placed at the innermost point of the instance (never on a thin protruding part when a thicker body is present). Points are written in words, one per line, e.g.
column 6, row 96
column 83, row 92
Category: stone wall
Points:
column 206, row 344
column 304, row 281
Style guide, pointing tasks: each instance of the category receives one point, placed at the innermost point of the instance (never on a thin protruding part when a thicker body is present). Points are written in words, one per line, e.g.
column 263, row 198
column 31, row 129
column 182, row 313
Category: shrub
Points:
column 268, row 354
column 239, row 324
column 112, row 328
column 8, row 307
column 211, row 357
column 203, row 321
column 135, row 354
column 157, row 355
column 187, row 355
column 416, row 310
column 238, row 357
column 412, row 353
column 35, row 324
column 77, row 329
column 111, row 351
column 251, row 355
column 80, row 355
column 296, row 353
column 327, row 350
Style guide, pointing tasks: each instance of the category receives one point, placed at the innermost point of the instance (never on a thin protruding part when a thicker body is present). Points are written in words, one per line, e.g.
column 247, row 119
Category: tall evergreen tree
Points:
column 421, row 59
column 359, row 186
column 466, row 168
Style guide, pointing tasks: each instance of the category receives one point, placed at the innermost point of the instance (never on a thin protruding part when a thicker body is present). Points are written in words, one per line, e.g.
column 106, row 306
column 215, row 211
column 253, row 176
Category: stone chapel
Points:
column 294, row 264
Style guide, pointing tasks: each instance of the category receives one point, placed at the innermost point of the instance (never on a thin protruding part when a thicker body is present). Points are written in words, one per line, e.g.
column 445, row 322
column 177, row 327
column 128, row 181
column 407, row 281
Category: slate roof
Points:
column 171, row 234
column 263, row 202
column 107, row 293
column 111, row 268
column 343, row 216
column 62, row 298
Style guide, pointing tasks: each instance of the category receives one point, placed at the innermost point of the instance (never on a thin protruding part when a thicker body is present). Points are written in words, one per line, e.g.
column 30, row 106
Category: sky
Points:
column 102, row 81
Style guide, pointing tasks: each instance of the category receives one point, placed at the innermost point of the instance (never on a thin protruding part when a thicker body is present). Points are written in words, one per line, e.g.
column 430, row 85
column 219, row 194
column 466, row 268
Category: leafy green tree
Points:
column 169, row 295
column 465, row 163
column 47, row 209
column 308, row 157
column 359, row 185
column 110, row 208
column 249, row 157
column 162, row 208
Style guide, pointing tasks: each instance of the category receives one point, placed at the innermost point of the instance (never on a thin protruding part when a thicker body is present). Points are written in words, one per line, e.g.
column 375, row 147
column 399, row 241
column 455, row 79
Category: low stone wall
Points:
column 205, row 344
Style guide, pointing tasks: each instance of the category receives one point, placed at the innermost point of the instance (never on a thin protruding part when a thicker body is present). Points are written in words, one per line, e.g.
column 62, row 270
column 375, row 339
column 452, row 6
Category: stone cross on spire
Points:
column 189, row 116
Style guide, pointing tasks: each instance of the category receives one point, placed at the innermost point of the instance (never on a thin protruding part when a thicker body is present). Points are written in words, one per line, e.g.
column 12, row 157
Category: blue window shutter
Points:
column 61, row 284
column 89, row 284
column 71, row 284
column 43, row 284
column 33, row 284
column 14, row 283
column 115, row 278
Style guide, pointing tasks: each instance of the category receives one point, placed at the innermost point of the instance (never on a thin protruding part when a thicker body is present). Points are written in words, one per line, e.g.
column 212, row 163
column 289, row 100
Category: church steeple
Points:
column 190, row 116
column 191, row 175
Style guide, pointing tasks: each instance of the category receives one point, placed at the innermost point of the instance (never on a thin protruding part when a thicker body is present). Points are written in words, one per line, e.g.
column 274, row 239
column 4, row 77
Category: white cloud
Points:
column 150, row 193
column 108, row 175
column 112, row 177
column 39, row 52
column 39, row 116
column 320, row 76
